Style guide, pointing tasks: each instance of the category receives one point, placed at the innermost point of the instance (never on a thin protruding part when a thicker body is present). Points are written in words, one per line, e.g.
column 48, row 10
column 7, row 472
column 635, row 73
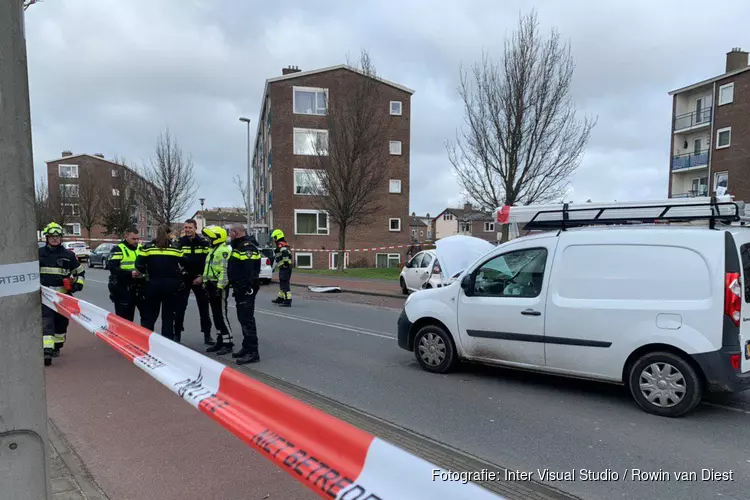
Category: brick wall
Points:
column 736, row 158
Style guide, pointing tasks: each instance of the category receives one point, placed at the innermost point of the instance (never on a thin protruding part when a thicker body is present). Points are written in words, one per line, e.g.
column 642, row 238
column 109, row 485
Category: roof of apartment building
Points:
column 467, row 213
column 737, row 62
column 223, row 214
column 67, row 155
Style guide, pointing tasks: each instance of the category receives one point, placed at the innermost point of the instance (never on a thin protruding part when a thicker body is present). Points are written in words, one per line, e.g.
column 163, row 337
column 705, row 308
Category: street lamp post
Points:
column 249, row 201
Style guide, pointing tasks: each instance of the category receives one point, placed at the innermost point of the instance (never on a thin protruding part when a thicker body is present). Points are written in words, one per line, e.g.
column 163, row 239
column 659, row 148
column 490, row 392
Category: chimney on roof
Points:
column 99, row 155
column 290, row 69
column 67, row 153
column 414, row 214
column 468, row 207
column 428, row 215
column 736, row 59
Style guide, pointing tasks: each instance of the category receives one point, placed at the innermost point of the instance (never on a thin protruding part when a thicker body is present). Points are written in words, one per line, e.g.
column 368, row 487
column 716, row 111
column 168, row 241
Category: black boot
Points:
column 241, row 353
column 56, row 352
column 207, row 339
column 215, row 347
column 277, row 300
column 47, row 357
column 286, row 303
column 177, row 336
column 250, row 357
column 225, row 349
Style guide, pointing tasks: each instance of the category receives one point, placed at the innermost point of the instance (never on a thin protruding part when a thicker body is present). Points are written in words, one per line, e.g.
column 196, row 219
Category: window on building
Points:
column 429, row 234
column 310, row 222
column 68, row 171
column 396, row 108
column 74, row 229
column 115, row 192
column 447, row 216
column 726, row 93
column 394, row 186
column 387, row 260
column 308, row 141
column 303, row 260
column 421, row 234
column 310, row 101
column 70, row 209
column 721, row 182
column 307, row 181
column 723, row 137
column 394, row 225
column 465, row 227
column 489, row 227
column 395, row 147
column 69, row 190
column 115, row 172
column 414, row 233
column 699, row 186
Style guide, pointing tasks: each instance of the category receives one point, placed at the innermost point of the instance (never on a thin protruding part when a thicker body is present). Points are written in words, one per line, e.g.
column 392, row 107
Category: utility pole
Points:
column 23, row 408
column 249, row 201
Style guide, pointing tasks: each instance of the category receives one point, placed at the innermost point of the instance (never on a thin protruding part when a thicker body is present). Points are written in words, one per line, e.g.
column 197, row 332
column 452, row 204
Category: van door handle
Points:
column 531, row 312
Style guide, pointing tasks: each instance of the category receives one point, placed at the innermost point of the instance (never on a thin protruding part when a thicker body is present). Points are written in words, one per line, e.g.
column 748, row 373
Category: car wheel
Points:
column 104, row 263
column 665, row 384
column 434, row 349
column 404, row 290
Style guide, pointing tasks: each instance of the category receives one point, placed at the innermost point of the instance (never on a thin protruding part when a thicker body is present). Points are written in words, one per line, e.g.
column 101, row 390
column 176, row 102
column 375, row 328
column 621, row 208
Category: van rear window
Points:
column 745, row 255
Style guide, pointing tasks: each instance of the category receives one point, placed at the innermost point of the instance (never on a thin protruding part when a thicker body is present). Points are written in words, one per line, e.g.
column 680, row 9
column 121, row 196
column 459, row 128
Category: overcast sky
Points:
column 106, row 76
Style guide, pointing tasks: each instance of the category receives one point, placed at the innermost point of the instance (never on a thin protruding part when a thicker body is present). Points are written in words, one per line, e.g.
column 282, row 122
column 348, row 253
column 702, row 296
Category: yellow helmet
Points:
column 277, row 234
column 53, row 229
column 216, row 234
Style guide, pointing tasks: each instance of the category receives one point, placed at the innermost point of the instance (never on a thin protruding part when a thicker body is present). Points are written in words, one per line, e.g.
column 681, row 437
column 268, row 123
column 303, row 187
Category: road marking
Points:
column 737, row 410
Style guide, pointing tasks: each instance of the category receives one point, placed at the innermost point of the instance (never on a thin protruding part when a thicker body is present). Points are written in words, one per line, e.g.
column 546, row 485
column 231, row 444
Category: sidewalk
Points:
column 69, row 479
column 386, row 288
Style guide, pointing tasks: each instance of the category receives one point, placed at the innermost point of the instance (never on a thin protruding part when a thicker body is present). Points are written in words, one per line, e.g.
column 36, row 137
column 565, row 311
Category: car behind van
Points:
column 662, row 310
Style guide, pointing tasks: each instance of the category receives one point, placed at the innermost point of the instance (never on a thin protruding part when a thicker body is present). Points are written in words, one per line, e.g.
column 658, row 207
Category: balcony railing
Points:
column 690, row 160
column 692, row 194
column 690, row 120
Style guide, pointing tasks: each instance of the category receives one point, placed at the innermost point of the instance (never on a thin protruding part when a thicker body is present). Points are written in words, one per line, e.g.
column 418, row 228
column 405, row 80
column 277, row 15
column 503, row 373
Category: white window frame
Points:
column 462, row 227
column 317, row 91
column 317, row 227
column 718, row 134
column 447, row 216
column 115, row 172
column 392, row 145
column 66, row 194
column 73, row 167
column 723, row 87
column 115, row 192
column 331, row 259
column 74, row 211
column 76, row 228
column 400, row 108
column 716, row 179
column 414, row 233
column 391, row 184
column 388, row 258
column 390, row 228
column 489, row 227
column 315, row 131
column 315, row 177
column 303, row 254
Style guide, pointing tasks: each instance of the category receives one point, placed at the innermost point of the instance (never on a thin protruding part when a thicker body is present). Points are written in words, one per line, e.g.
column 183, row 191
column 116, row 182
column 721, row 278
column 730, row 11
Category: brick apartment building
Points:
column 68, row 171
column 292, row 109
column 710, row 144
column 467, row 221
column 220, row 216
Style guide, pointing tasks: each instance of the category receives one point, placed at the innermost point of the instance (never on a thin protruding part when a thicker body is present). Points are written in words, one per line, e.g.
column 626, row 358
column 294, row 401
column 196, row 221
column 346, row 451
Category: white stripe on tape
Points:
column 17, row 279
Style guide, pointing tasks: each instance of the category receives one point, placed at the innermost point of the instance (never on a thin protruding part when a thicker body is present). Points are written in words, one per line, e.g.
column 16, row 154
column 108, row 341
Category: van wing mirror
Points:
column 466, row 284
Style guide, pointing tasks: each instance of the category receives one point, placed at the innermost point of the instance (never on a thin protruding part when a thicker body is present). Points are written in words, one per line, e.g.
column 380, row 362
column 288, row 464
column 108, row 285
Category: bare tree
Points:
column 524, row 140
column 43, row 206
column 29, row 3
column 89, row 202
column 169, row 186
column 119, row 209
column 349, row 167
column 63, row 203
column 242, row 188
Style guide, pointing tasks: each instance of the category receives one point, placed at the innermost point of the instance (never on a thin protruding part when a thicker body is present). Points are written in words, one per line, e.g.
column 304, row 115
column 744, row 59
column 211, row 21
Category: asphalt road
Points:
column 522, row 421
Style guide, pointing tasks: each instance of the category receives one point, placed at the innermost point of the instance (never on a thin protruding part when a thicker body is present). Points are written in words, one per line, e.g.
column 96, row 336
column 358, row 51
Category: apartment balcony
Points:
column 690, row 161
column 692, row 121
column 692, row 194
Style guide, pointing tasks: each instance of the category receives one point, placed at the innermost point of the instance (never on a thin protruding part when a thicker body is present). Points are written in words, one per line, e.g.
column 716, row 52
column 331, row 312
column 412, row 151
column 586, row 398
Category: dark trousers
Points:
column 245, row 300
column 54, row 328
column 201, row 297
column 217, row 299
column 126, row 299
column 285, row 277
column 161, row 295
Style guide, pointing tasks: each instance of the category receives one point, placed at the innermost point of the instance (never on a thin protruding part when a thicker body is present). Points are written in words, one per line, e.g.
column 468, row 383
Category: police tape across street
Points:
column 329, row 456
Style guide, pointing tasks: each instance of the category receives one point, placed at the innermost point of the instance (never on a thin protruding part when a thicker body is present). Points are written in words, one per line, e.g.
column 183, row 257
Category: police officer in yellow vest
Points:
column 215, row 279
column 125, row 281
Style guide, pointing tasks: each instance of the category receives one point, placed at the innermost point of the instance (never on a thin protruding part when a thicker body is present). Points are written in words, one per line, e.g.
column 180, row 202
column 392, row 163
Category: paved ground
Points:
column 348, row 352
column 390, row 287
column 69, row 478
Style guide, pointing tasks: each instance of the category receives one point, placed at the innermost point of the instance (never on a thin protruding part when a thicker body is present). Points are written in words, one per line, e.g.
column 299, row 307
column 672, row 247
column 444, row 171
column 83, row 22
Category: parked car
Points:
column 266, row 266
column 657, row 309
column 100, row 255
column 80, row 248
column 428, row 270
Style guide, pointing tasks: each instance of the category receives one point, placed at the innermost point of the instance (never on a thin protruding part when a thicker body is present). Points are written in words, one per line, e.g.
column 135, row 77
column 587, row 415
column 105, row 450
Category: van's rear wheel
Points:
column 665, row 384
column 434, row 349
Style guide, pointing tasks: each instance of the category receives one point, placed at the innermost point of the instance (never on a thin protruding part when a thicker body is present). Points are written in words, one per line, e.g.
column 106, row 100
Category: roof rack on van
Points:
column 562, row 216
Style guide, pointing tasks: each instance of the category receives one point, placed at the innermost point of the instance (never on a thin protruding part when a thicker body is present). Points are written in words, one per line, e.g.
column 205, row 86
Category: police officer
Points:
column 162, row 262
column 215, row 279
column 244, row 269
column 125, row 281
column 60, row 270
column 195, row 249
column 283, row 262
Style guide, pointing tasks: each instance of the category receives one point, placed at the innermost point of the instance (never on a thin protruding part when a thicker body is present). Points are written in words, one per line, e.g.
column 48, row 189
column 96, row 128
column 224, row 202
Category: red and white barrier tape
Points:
column 327, row 455
column 373, row 249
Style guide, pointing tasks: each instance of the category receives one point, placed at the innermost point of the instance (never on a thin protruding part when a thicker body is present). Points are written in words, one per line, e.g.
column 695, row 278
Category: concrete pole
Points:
column 23, row 407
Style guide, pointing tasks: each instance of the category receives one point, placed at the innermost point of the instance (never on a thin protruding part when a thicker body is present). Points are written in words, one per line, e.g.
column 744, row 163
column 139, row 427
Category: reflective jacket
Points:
column 195, row 251
column 283, row 255
column 161, row 263
column 217, row 263
column 244, row 263
column 121, row 263
column 57, row 263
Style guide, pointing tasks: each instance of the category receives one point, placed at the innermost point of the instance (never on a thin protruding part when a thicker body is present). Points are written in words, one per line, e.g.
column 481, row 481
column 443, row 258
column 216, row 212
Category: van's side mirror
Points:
column 466, row 284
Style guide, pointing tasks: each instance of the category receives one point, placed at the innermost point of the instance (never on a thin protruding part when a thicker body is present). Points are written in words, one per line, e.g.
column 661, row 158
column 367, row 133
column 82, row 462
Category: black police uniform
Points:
column 125, row 292
column 243, row 272
column 195, row 251
column 163, row 268
column 56, row 264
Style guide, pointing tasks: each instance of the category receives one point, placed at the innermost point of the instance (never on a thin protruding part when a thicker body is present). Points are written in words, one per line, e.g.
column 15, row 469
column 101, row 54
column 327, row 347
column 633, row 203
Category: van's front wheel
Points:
column 434, row 349
column 665, row 384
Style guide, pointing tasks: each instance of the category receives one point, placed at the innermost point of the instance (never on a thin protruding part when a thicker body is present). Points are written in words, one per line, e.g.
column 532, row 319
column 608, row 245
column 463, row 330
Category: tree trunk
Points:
column 504, row 233
column 342, row 247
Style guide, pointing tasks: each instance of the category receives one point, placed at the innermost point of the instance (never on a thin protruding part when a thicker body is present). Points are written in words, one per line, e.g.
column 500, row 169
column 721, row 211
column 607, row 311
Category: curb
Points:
column 71, row 460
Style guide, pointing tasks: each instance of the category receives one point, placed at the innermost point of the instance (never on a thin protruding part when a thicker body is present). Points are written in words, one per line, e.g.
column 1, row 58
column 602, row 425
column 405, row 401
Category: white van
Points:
column 658, row 309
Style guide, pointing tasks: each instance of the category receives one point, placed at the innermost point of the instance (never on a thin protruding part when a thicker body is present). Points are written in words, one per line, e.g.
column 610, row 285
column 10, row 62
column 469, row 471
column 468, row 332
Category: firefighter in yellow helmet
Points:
column 60, row 270
column 283, row 262
column 215, row 279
